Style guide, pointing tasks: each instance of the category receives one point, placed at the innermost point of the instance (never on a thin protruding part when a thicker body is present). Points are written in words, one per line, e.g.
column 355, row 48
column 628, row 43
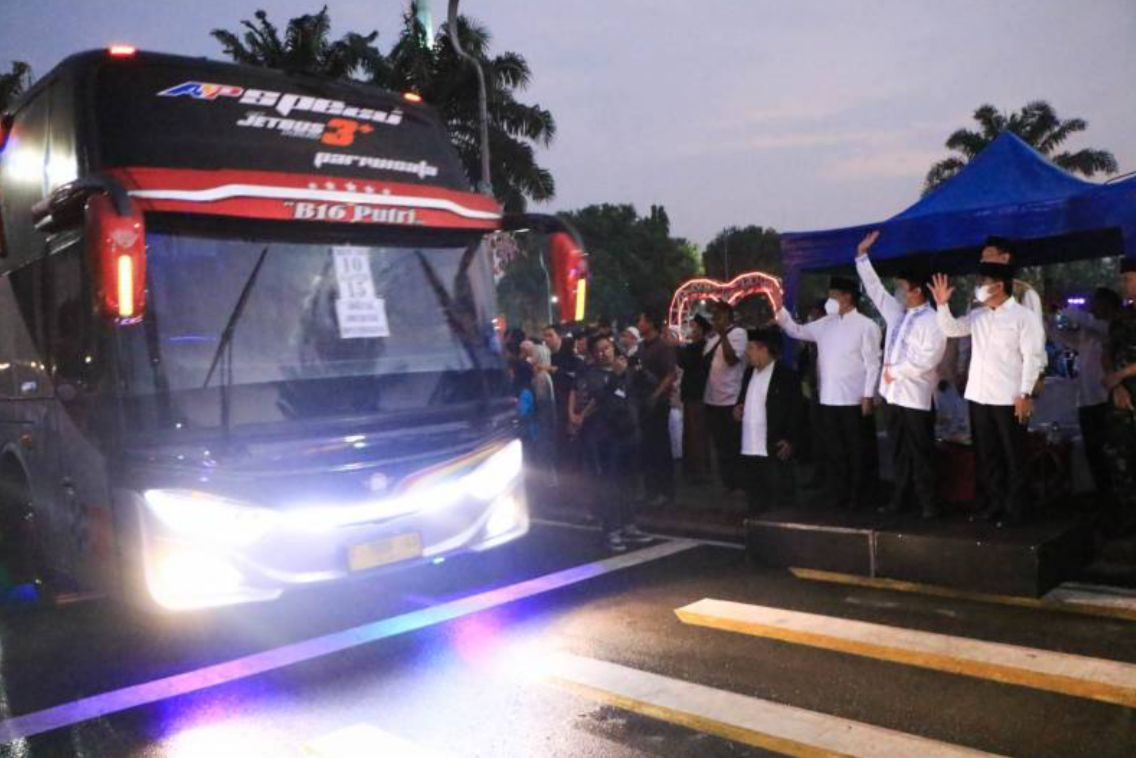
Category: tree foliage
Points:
column 433, row 70
column 633, row 261
column 735, row 250
column 13, row 84
column 306, row 46
column 1038, row 125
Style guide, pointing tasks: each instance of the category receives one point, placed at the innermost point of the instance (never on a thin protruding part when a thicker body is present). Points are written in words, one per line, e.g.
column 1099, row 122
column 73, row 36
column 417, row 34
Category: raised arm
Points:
column 785, row 319
column 884, row 302
column 952, row 327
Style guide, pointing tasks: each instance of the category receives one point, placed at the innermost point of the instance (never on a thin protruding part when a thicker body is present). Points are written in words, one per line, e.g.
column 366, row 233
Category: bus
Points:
column 247, row 335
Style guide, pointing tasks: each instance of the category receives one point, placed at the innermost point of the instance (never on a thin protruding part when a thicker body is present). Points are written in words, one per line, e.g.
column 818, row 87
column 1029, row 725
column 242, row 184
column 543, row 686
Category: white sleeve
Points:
column 880, row 297
column 793, row 329
column 951, row 326
column 872, row 354
column 1032, row 301
column 1034, row 357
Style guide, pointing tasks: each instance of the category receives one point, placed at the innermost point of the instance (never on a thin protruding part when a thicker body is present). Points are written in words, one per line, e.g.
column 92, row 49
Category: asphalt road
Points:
column 450, row 676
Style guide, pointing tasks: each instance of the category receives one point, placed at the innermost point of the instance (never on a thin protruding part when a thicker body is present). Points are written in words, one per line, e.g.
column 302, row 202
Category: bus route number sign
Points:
column 361, row 313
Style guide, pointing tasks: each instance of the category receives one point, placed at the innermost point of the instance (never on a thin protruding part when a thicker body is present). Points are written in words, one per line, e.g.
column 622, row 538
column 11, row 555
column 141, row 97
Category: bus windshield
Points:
column 326, row 329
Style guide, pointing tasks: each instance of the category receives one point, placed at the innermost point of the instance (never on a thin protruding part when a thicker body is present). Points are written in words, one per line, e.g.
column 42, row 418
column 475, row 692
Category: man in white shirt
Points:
column 1088, row 338
column 725, row 348
column 771, row 411
column 913, row 348
column 1007, row 355
column 848, row 368
column 1004, row 250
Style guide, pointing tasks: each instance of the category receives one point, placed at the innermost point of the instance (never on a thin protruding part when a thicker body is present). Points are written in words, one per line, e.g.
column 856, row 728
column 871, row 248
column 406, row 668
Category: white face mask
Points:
column 831, row 307
column 982, row 292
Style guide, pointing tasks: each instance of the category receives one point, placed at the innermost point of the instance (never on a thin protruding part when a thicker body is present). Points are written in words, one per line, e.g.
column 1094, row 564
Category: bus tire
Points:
column 20, row 550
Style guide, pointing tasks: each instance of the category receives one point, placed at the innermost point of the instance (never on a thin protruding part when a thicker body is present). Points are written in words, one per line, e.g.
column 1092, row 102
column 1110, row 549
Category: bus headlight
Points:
column 197, row 515
column 506, row 515
column 497, row 473
column 183, row 579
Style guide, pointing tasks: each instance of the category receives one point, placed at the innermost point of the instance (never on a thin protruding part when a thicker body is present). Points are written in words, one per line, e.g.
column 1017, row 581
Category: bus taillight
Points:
column 117, row 247
column 125, row 286
column 569, row 272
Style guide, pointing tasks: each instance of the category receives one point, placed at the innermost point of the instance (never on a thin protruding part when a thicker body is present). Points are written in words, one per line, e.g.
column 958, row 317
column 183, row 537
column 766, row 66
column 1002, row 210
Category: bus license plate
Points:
column 368, row 555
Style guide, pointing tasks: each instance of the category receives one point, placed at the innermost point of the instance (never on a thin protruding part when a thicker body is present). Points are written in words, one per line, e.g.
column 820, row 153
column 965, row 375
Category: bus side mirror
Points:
column 116, row 249
column 569, row 275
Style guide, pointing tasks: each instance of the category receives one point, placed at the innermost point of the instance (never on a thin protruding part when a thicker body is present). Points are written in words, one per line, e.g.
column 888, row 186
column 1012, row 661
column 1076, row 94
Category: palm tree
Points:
column 305, row 48
column 13, row 84
column 433, row 69
column 1038, row 125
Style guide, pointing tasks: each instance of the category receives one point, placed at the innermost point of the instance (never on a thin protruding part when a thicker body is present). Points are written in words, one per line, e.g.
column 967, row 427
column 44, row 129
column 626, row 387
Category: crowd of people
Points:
column 607, row 413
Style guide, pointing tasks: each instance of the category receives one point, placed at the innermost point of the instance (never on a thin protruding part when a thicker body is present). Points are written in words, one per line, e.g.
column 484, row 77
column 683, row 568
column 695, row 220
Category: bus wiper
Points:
column 225, row 345
column 456, row 324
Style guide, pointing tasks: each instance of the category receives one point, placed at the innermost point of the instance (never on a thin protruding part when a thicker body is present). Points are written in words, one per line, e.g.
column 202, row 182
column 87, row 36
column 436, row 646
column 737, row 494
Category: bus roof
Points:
column 192, row 135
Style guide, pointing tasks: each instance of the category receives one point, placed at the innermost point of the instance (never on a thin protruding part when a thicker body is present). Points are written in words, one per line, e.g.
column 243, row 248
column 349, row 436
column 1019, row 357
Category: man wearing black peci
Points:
column 913, row 349
column 771, row 412
column 848, row 365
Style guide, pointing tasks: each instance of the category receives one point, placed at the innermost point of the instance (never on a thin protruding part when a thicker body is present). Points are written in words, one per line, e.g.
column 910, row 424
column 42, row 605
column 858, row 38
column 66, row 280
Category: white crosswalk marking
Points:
column 749, row 720
column 1077, row 675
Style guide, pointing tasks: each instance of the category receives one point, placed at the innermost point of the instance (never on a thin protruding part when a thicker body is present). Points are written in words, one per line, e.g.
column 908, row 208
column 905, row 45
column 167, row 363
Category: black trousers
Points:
column 609, row 463
column 1094, row 420
column 769, row 482
column 850, row 454
column 1001, row 456
column 655, row 451
column 726, row 434
column 912, row 433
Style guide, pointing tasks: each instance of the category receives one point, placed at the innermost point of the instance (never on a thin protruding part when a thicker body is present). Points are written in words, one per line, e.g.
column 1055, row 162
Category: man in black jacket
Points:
column 771, row 411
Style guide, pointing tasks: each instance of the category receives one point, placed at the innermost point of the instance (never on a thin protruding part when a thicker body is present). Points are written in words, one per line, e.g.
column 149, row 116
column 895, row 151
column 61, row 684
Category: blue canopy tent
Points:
column 1010, row 190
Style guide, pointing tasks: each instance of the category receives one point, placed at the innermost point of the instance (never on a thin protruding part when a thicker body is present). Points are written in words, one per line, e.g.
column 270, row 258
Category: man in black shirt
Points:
column 654, row 378
column 1121, row 384
column 565, row 365
column 601, row 412
column 695, row 368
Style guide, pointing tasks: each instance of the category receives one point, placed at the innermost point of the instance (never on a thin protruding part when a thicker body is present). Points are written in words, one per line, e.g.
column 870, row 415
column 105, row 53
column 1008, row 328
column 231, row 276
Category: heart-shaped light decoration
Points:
column 734, row 291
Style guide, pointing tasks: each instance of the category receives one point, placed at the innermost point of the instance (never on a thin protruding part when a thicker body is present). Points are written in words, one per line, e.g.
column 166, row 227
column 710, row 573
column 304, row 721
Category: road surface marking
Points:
column 566, row 525
column 812, row 527
column 1088, row 600
column 656, row 535
column 1080, row 676
column 105, row 703
column 740, row 718
column 366, row 741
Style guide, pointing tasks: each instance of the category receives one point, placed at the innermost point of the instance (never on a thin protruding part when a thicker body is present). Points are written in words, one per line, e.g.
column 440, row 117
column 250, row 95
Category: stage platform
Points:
column 951, row 552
